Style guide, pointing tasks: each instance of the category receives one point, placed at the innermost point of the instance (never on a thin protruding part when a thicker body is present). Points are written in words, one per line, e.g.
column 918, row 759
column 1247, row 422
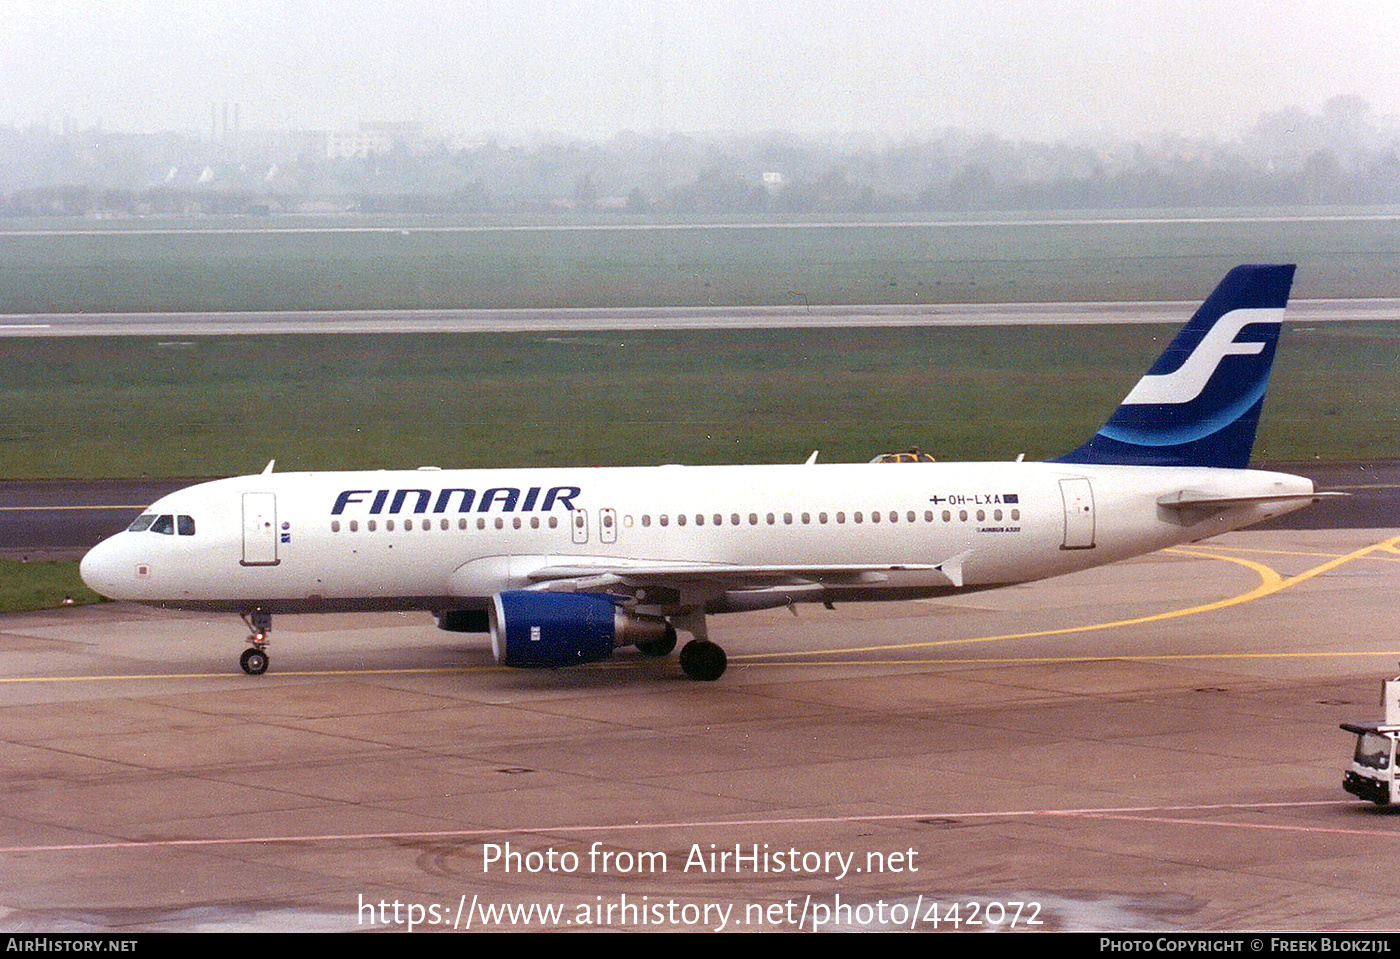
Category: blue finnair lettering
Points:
column 346, row 498
column 501, row 498
column 420, row 507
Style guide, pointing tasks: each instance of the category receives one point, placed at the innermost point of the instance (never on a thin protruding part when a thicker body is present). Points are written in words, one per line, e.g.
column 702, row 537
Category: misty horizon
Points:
column 878, row 73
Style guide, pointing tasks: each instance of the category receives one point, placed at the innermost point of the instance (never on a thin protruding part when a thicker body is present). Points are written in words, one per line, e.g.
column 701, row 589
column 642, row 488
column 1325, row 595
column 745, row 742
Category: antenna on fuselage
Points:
column 812, row 459
column 268, row 468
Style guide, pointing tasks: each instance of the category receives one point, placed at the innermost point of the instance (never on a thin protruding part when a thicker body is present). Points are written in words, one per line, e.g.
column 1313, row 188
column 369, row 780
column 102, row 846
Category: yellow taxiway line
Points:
column 1270, row 582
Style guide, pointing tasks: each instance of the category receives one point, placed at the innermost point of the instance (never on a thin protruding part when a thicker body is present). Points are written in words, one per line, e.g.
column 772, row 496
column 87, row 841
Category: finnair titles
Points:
column 563, row 566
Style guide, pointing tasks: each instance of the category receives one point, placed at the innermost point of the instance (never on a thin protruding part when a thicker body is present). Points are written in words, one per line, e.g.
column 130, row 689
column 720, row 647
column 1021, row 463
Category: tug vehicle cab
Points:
column 1373, row 773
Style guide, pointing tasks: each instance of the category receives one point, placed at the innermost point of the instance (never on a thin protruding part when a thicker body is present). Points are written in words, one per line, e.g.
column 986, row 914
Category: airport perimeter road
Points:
column 661, row 318
column 1151, row 745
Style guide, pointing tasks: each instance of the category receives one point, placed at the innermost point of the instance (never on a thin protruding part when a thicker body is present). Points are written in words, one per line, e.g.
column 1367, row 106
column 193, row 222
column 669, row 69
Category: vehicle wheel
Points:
column 703, row 660
column 660, row 647
column 253, row 661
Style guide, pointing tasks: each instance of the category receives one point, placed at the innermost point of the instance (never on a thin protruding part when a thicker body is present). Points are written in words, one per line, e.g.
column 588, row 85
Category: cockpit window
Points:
column 185, row 525
column 142, row 523
column 164, row 524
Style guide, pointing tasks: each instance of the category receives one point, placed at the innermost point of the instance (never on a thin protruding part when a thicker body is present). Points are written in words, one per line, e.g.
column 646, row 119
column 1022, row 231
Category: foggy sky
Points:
column 1039, row 68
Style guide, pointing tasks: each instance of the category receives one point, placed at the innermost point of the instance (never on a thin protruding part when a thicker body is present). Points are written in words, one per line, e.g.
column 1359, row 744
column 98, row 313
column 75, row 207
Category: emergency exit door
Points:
column 1078, row 495
column 580, row 523
column 260, row 529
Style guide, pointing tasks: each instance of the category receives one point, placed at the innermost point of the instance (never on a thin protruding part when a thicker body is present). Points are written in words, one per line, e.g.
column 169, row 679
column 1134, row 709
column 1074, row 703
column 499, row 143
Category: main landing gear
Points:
column 700, row 659
column 254, row 659
column 703, row 660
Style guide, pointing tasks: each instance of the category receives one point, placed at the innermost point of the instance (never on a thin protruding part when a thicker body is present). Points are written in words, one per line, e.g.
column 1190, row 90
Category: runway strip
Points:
column 577, row 320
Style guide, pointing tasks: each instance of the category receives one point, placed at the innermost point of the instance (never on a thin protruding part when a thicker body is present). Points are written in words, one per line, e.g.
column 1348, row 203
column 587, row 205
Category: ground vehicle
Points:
column 1373, row 774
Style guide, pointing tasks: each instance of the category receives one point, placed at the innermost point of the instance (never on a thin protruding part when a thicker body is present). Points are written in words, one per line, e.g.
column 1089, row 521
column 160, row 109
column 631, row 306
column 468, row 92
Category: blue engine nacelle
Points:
column 543, row 630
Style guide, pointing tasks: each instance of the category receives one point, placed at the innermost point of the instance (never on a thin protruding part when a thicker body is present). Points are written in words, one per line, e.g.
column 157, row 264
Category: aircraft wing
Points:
column 590, row 576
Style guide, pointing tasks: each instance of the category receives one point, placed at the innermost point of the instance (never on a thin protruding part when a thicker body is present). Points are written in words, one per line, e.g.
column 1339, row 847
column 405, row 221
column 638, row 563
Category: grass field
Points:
column 41, row 585
column 125, row 271
column 126, row 407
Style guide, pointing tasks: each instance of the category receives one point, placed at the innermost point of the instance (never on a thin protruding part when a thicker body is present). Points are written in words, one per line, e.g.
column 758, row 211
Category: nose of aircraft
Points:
column 99, row 568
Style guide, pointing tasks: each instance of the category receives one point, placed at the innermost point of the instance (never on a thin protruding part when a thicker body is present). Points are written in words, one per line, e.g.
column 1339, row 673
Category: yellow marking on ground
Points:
column 1287, row 552
column 230, row 674
column 1052, row 660
column 1270, row 582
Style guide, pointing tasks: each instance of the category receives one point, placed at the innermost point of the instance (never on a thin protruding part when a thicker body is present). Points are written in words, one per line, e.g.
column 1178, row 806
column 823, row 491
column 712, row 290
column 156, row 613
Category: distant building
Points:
column 374, row 139
column 358, row 145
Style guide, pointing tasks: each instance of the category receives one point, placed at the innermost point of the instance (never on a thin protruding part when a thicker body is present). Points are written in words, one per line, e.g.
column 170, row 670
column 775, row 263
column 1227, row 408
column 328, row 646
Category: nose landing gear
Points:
column 259, row 623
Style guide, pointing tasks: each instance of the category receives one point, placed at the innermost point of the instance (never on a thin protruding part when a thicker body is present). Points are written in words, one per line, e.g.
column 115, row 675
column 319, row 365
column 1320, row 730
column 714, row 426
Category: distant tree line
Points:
column 1340, row 154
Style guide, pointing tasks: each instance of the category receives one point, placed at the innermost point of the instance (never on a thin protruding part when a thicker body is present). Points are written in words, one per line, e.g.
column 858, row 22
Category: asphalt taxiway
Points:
column 1148, row 745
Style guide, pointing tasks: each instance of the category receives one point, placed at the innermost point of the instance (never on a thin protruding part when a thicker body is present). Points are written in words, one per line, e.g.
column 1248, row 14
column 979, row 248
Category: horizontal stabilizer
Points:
column 1187, row 498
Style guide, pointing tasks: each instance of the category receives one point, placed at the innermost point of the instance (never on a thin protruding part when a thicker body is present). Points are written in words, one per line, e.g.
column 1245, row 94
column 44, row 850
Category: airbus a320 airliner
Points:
column 561, row 566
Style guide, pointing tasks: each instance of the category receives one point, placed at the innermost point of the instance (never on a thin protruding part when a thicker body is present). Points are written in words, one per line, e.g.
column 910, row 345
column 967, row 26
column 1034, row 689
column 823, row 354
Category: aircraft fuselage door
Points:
column 260, row 529
column 607, row 525
column 580, row 522
column 1079, row 513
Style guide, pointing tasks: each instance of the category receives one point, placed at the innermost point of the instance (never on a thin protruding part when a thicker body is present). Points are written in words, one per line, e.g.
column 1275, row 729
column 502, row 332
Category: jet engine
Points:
column 543, row 630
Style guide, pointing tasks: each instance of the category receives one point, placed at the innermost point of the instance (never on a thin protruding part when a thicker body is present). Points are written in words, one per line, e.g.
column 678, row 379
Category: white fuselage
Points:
column 288, row 542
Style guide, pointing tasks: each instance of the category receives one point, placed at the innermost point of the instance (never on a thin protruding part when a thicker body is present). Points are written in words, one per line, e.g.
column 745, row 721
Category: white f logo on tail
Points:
column 1186, row 382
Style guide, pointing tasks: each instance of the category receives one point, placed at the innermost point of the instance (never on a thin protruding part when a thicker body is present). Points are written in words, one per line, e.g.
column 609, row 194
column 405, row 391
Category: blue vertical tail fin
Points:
column 1199, row 403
